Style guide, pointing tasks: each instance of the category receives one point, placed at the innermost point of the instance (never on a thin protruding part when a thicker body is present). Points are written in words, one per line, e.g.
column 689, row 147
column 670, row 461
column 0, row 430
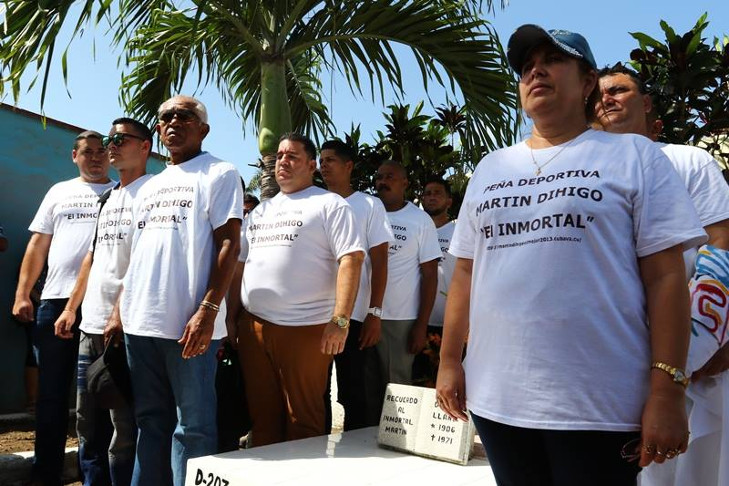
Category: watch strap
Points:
column 678, row 375
column 375, row 311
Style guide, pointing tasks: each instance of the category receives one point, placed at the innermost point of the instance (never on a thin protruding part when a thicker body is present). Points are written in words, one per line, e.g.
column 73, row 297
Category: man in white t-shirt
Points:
column 437, row 201
column 301, row 256
column 62, row 231
column 361, row 404
column 184, row 248
column 107, row 436
column 625, row 107
column 412, row 277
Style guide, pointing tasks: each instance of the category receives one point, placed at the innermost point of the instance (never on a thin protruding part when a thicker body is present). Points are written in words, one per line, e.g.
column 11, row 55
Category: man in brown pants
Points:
column 301, row 258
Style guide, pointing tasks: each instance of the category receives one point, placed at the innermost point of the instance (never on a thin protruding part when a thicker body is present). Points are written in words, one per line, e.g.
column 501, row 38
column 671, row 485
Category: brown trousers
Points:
column 285, row 376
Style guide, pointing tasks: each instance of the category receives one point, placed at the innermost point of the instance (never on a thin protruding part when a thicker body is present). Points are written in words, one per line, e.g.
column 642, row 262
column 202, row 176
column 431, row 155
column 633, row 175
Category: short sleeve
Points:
column 378, row 230
column 663, row 214
column 226, row 197
column 463, row 243
column 341, row 230
column 244, row 247
column 710, row 193
column 430, row 248
column 43, row 220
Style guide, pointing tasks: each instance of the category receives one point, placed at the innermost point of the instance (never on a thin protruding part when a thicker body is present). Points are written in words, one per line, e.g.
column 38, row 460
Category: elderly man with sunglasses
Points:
column 184, row 249
column 106, row 437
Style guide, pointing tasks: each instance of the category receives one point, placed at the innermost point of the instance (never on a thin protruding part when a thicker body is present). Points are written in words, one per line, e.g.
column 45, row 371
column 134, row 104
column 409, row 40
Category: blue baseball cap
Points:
column 528, row 36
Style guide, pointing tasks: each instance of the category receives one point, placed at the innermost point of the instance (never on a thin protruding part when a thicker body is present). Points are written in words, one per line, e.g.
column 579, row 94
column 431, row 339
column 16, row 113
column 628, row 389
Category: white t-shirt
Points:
column 111, row 257
column 416, row 242
column 370, row 217
column 446, row 265
column 68, row 212
column 175, row 214
column 558, row 335
column 291, row 244
column 705, row 184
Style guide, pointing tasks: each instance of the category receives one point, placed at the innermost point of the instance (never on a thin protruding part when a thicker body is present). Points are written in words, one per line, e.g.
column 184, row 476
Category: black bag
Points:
column 108, row 378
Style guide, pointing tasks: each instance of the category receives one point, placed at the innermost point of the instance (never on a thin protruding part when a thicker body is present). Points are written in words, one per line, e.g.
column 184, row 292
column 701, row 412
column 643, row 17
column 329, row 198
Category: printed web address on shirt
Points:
column 544, row 239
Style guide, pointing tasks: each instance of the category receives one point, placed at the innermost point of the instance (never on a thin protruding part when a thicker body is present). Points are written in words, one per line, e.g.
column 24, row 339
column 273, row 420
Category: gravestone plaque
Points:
column 412, row 421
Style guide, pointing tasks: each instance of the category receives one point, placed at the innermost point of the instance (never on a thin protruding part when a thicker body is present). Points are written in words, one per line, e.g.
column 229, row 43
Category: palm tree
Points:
column 266, row 57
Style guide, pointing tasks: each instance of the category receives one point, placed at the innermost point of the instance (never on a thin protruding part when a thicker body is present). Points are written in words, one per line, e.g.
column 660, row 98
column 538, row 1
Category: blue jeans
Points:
column 106, row 437
column 56, row 359
column 174, row 405
column 538, row 457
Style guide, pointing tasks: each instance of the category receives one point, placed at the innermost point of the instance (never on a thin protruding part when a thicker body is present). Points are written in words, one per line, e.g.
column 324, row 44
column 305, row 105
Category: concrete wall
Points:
column 32, row 159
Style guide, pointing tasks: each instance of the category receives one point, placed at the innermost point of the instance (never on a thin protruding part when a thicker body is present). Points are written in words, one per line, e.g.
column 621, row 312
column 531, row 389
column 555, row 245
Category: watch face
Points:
column 680, row 376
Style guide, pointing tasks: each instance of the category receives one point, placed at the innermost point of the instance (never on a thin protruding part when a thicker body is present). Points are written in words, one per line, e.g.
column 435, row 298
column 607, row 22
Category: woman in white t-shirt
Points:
column 568, row 244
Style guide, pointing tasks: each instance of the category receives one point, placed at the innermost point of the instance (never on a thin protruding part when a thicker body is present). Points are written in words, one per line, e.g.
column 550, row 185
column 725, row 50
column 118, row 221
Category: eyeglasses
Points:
column 182, row 115
column 118, row 139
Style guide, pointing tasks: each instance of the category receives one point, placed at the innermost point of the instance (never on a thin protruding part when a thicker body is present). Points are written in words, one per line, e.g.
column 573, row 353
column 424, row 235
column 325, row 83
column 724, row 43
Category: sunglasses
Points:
column 118, row 139
column 182, row 115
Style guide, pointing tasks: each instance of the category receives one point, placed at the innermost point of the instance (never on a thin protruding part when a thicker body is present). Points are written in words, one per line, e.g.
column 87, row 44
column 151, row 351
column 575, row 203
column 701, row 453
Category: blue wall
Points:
column 32, row 159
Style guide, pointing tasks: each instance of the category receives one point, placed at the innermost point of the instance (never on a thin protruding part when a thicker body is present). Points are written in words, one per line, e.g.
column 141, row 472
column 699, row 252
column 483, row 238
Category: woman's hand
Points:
column 664, row 427
column 451, row 390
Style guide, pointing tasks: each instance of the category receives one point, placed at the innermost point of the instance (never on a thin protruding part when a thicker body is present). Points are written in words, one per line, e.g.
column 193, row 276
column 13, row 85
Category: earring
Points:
column 586, row 100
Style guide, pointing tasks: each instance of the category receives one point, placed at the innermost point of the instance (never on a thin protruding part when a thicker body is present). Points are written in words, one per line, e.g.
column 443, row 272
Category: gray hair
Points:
column 198, row 107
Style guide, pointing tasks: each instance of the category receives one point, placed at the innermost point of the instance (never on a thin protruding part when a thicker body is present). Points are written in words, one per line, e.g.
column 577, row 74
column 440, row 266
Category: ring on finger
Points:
column 659, row 453
column 649, row 448
column 671, row 453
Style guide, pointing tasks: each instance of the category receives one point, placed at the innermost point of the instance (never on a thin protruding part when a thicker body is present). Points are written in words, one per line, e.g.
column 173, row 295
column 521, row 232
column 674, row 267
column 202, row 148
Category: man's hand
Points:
column 417, row 339
column 333, row 339
column 64, row 324
column 23, row 309
column 231, row 325
column 370, row 333
column 198, row 333
column 718, row 363
column 113, row 331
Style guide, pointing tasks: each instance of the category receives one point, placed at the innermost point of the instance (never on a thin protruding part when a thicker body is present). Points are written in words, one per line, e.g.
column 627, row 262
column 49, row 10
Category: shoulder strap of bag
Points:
column 102, row 200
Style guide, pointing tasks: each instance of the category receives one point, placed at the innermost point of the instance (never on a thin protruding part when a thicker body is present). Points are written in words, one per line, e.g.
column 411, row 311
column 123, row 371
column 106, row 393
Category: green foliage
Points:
column 225, row 43
column 689, row 81
column 266, row 59
column 423, row 144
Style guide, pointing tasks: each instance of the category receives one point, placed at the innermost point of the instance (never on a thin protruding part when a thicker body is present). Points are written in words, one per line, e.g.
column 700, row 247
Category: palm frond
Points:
column 30, row 30
column 162, row 54
column 463, row 55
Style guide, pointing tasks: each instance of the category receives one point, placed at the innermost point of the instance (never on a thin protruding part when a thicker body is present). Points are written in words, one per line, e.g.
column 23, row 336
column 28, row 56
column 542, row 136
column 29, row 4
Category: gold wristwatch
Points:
column 340, row 321
column 678, row 375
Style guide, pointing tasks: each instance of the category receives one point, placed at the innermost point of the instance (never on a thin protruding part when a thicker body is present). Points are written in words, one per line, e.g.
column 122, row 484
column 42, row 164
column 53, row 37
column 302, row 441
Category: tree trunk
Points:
column 269, row 186
column 275, row 121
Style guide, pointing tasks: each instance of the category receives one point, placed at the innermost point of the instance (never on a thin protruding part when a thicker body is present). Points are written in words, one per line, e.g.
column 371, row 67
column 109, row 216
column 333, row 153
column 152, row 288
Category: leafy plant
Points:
column 421, row 143
column 266, row 58
column 689, row 81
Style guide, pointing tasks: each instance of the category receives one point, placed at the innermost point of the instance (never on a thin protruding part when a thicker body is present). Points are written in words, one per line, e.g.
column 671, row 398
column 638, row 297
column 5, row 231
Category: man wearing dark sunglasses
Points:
column 62, row 230
column 107, row 437
column 185, row 247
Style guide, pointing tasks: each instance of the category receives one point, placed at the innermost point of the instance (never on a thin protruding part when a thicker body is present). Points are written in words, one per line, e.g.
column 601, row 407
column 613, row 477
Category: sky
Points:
column 94, row 74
